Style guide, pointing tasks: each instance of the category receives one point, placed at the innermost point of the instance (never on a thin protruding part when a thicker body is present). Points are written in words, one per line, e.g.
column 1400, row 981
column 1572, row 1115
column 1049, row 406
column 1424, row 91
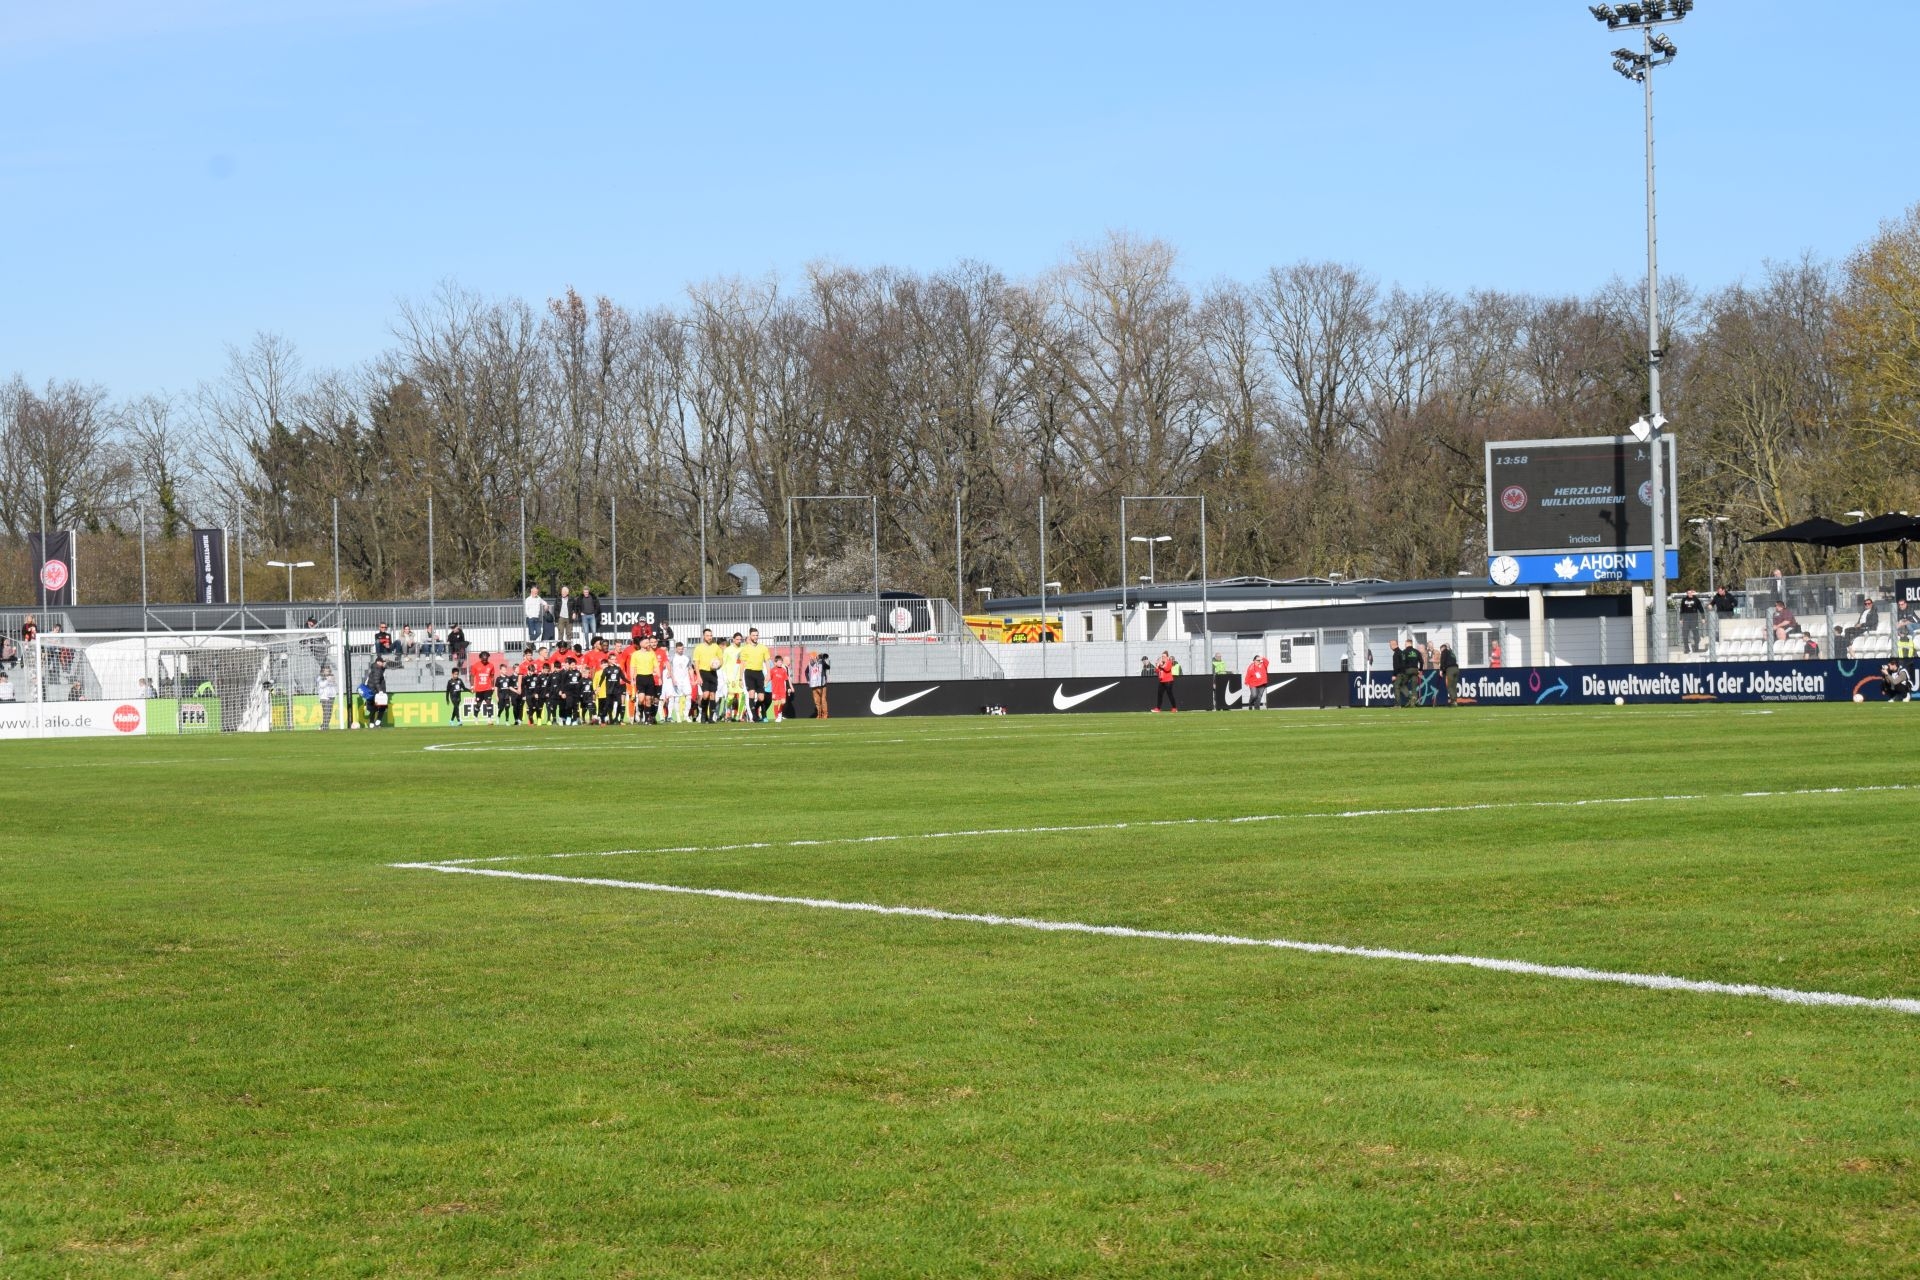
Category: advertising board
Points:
column 1817, row 681
column 1572, row 511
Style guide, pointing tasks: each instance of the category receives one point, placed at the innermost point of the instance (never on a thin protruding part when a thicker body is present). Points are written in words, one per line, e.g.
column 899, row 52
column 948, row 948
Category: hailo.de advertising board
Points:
column 1576, row 511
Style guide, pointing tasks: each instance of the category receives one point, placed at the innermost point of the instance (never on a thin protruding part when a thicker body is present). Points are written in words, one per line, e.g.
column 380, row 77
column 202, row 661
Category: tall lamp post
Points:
column 1707, row 523
column 793, row 623
column 1151, row 543
column 1656, row 50
column 1043, row 626
column 1860, row 515
column 1206, row 613
column 290, row 566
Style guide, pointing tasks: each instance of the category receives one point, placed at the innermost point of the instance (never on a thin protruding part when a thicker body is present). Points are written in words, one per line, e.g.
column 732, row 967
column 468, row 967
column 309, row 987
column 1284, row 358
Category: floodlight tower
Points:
column 1656, row 50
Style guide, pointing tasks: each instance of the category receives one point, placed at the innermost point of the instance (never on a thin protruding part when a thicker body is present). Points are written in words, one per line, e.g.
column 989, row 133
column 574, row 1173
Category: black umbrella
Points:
column 1815, row 531
column 1895, row 526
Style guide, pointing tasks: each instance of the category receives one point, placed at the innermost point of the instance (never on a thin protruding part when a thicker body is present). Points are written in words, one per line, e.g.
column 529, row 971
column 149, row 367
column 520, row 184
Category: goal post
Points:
column 170, row 682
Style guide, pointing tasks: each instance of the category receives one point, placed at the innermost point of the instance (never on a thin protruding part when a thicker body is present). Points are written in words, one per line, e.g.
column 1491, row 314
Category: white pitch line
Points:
column 1067, row 828
column 744, row 738
column 1569, row 973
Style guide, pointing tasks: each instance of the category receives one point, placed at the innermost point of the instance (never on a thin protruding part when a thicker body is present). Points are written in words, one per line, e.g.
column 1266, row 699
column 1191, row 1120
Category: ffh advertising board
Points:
column 1580, row 510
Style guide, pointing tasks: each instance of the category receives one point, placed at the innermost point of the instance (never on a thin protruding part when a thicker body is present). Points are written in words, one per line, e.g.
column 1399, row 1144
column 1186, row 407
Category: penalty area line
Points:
column 1526, row 968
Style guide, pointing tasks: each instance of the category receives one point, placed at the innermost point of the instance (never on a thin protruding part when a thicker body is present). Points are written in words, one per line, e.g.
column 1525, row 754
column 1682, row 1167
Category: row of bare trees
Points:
column 1334, row 424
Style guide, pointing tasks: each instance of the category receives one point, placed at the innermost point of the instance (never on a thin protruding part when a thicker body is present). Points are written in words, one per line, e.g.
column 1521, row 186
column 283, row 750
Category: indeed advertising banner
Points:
column 1824, row 681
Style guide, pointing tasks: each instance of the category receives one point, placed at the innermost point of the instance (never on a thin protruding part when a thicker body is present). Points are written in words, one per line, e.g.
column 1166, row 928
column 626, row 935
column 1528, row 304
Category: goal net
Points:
column 179, row 682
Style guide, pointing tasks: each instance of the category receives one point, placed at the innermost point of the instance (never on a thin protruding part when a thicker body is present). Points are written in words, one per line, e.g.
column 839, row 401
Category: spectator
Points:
column 1811, row 649
column 1493, row 655
column 29, row 630
column 457, row 644
column 1692, row 611
column 383, row 647
column 1222, row 677
column 589, row 614
column 1146, row 666
column 1782, row 620
column 145, row 692
column 409, row 647
column 564, row 611
column 546, row 623
column 431, row 642
column 9, row 652
column 534, row 607
column 6, row 687
column 1903, row 635
column 1449, row 671
column 1869, row 621
column 75, row 693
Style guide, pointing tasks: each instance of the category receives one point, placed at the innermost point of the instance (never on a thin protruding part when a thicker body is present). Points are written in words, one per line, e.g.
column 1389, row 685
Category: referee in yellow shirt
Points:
column 706, row 664
column 753, row 661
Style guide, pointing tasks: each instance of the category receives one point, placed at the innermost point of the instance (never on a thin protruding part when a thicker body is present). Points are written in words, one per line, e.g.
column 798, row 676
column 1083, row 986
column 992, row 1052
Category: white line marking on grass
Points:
column 744, row 738
column 1570, row 973
column 1067, row 828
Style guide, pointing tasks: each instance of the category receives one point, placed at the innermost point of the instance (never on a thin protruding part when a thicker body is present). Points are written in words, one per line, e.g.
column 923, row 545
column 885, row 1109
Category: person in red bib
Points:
column 1257, row 683
column 1163, row 672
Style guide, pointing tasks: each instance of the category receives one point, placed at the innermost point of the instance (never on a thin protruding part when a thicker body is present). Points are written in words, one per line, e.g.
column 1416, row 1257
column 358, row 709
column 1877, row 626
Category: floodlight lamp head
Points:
column 1659, row 421
column 1630, row 13
column 1641, row 429
column 1604, row 13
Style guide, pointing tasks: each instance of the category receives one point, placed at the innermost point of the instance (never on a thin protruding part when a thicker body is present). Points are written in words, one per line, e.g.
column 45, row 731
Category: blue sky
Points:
column 175, row 177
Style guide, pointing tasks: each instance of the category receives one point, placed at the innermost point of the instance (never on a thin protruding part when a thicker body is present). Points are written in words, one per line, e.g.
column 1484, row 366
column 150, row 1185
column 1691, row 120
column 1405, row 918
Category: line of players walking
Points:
column 642, row 681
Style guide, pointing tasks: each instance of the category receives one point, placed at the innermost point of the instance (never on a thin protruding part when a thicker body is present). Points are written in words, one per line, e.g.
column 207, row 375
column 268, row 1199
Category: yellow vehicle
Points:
column 1010, row 630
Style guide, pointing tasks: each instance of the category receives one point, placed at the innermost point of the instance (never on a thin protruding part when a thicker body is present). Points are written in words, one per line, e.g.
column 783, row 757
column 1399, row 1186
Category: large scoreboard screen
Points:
column 1575, row 510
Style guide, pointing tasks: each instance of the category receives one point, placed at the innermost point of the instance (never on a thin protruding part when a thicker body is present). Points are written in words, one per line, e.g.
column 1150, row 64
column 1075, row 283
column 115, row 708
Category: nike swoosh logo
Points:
column 881, row 706
column 1061, row 702
column 1283, row 684
column 1238, row 694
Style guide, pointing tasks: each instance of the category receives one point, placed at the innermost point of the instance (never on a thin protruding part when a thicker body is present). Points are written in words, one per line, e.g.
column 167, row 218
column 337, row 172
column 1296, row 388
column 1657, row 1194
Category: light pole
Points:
column 1860, row 515
column 1656, row 50
column 1165, row 537
column 290, row 566
column 879, row 653
column 1043, row 625
column 1206, row 614
column 1707, row 523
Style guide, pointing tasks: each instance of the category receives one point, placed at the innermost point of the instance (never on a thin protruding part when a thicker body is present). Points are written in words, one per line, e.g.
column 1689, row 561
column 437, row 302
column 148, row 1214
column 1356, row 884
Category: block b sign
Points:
column 1568, row 512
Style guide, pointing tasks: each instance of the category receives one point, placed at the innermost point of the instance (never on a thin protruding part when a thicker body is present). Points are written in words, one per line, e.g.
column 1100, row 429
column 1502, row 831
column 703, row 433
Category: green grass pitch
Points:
column 236, row 1040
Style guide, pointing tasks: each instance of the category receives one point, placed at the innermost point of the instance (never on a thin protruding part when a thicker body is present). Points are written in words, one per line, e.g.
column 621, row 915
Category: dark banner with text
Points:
column 1050, row 697
column 52, row 568
column 1822, row 681
column 210, row 566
